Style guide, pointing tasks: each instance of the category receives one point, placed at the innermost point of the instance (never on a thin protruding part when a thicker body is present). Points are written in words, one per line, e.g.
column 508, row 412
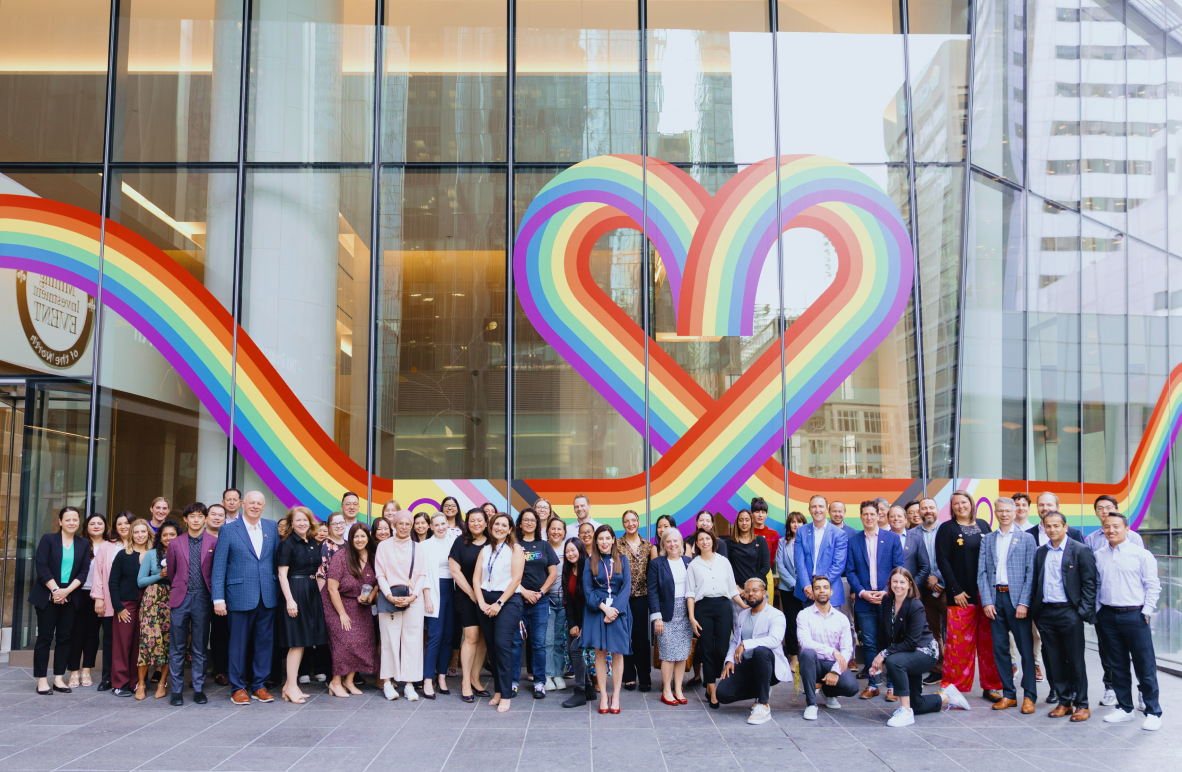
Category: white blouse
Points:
column 677, row 567
column 710, row 580
column 433, row 552
column 497, row 567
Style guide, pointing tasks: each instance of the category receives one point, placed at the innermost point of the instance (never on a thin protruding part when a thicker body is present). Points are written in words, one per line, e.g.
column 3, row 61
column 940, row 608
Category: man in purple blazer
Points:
column 189, row 561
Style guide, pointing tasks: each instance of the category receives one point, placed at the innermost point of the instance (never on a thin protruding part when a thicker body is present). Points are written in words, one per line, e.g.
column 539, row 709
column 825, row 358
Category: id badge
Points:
column 609, row 601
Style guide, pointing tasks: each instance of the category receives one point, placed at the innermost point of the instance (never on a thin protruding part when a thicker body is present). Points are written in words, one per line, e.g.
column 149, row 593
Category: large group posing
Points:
column 415, row 598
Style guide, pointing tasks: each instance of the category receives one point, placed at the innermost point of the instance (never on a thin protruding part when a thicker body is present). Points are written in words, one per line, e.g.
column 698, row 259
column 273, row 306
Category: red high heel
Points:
column 603, row 711
column 673, row 702
column 683, row 701
column 615, row 710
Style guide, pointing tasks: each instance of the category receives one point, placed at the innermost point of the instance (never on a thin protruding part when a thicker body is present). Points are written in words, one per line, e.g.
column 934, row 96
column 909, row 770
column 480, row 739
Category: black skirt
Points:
column 307, row 628
column 467, row 612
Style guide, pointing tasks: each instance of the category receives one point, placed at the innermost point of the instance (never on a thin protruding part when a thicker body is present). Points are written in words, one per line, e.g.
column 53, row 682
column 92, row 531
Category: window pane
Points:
column 179, row 82
column 1054, row 109
column 1104, row 353
column 441, row 326
column 53, row 79
column 311, row 84
column 444, row 92
column 578, row 79
column 1148, row 356
column 938, row 53
column 1103, row 113
column 999, row 88
column 1147, row 171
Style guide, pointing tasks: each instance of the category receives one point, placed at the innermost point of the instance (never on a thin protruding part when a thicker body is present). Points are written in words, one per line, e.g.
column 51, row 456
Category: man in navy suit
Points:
column 873, row 554
column 820, row 550
column 244, row 586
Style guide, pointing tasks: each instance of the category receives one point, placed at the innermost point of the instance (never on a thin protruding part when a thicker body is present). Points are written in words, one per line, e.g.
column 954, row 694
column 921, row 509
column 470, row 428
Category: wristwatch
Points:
column 500, row 602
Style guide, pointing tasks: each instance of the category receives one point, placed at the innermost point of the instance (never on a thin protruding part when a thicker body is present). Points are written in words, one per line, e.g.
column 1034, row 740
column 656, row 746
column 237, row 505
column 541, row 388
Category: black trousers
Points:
column 54, row 618
column 905, row 671
column 219, row 644
column 84, row 641
column 637, row 667
column 1124, row 635
column 1062, row 631
column 499, row 634
column 108, row 625
column 1005, row 622
column 752, row 679
column 813, row 669
column 791, row 606
column 717, row 618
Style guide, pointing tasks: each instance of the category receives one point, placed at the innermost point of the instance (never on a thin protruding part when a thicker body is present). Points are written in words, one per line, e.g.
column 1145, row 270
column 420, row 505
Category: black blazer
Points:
column 661, row 587
column 1073, row 533
column 47, row 565
column 1080, row 580
column 575, row 603
column 910, row 631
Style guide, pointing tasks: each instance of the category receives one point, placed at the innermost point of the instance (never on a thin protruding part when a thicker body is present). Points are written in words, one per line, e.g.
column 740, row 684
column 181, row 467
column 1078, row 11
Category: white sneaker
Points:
column 322, row 678
column 304, row 679
column 559, row 684
column 389, row 690
column 956, row 699
column 760, row 714
column 411, row 694
column 1118, row 716
column 832, row 703
column 1109, row 698
column 810, row 713
column 902, row 717
column 1140, row 702
column 1152, row 723
column 549, row 683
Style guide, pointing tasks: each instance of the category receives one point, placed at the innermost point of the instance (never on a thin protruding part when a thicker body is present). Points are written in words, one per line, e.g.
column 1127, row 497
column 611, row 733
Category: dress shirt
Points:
column 710, row 580
column 817, row 534
column 196, row 582
column 1052, row 574
column 929, row 543
column 677, row 568
column 255, row 532
column 872, row 556
column 572, row 530
column 1128, row 577
column 1096, row 540
column 1004, row 540
column 902, row 540
column 825, row 634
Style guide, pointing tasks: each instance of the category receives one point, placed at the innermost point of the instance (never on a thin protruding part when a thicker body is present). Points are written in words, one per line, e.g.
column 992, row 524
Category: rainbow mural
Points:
column 715, row 454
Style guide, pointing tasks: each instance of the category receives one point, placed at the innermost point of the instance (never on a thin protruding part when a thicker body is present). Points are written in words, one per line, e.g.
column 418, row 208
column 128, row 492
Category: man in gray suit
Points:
column 1005, row 577
column 915, row 557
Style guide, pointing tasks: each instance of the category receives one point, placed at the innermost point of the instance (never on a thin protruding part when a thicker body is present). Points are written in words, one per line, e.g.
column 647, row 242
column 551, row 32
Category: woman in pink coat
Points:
column 104, row 556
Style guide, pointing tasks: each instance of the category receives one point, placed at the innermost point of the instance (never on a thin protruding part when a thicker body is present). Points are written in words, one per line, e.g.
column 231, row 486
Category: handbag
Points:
column 397, row 590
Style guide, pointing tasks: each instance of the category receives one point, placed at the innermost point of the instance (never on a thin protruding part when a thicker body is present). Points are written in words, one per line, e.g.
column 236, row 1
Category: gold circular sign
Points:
column 56, row 318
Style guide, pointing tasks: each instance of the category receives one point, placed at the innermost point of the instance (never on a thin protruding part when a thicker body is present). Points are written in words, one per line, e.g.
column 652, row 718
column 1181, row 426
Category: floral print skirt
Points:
column 155, row 622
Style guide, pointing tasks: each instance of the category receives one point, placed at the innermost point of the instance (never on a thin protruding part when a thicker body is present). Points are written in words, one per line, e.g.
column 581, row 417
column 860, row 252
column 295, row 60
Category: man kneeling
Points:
column 826, row 645
column 755, row 661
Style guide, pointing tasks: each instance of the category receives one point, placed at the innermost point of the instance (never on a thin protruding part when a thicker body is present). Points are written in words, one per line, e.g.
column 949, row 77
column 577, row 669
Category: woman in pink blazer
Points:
column 104, row 556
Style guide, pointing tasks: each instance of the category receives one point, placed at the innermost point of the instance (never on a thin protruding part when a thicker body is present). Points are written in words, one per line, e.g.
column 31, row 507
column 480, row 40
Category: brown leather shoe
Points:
column 221, row 680
column 1059, row 711
column 1027, row 706
column 869, row 692
column 262, row 695
column 240, row 697
column 1081, row 714
column 890, row 696
column 1005, row 702
column 1037, row 673
column 991, row 695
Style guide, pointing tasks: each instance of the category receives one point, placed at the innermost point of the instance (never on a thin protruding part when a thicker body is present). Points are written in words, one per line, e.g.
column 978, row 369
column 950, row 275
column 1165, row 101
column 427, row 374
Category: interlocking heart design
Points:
column 713, row 250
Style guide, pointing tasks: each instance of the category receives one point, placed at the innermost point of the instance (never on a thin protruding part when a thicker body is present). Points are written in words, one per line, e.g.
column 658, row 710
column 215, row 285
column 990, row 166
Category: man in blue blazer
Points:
column 1005, row 577
column 244, row 585
column 873, row 554
column 820, row 550
column 915, row 554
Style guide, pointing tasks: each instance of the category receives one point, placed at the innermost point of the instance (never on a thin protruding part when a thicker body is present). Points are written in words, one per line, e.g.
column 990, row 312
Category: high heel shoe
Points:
column 673, row 702
column 682, row 701
column 614, row 710
column 287, row 698
column 604, row 711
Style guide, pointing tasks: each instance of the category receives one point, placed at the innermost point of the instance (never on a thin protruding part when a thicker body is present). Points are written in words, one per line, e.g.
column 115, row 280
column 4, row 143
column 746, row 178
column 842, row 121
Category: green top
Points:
column 67, row 563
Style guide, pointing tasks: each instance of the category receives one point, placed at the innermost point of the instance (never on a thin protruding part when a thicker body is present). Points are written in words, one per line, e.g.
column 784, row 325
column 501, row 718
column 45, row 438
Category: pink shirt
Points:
column 392, row 563
column 872, row 554
column 99, row 590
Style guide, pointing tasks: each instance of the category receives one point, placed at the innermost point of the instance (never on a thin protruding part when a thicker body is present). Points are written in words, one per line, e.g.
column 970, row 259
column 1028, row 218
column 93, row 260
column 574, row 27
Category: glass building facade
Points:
column 342, row 181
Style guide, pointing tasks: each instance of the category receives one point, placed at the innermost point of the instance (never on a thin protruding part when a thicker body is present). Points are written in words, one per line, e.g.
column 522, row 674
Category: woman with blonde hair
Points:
column 302, row 623
column 125, row 593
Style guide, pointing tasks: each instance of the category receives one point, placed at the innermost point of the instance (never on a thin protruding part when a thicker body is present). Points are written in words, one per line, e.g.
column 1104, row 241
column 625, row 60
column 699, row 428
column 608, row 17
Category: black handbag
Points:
column 397, row 590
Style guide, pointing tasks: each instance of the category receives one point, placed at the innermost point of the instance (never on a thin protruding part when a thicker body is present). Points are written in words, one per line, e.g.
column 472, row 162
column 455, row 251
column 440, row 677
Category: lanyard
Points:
column 494, row 554
column 610, row 571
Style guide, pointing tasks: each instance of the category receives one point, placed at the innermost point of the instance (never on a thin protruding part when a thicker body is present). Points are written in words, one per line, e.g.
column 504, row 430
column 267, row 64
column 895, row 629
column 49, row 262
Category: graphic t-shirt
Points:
column 539, row 556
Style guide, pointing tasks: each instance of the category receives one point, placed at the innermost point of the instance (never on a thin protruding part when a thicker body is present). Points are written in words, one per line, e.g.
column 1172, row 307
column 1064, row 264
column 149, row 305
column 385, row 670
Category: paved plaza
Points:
column 91, row 731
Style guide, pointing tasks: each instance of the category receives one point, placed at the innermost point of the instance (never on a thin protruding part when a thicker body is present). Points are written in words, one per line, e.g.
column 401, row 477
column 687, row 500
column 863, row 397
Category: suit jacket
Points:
column 889, row 556
column 241, row 578
column 1019, row 567
column 1080, row 581
column 47, row 565
column 910, row 631
column 769, row 629
column 1073, row 533
column 178, row 566
column 916, row 558
column 660, row 588
column 831, row 560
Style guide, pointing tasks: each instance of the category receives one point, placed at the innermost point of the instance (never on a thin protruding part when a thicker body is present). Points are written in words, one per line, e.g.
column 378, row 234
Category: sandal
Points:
column 75, row 681
column 86, row 679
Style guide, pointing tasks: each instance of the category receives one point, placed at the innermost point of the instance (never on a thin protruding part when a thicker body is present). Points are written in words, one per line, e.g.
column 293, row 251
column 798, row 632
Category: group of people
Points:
column 412, row 599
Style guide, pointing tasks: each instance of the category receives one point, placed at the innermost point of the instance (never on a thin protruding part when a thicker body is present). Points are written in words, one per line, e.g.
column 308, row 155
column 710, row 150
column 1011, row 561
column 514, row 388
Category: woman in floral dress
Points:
column 154, row 612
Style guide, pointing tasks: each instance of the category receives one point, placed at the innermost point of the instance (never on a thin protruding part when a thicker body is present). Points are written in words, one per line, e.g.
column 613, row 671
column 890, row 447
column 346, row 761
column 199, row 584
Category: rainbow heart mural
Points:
column 715, row 454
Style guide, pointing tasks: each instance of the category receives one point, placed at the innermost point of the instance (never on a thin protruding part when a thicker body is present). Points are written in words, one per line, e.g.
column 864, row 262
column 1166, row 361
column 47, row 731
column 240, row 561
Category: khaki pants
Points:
column 402, row 643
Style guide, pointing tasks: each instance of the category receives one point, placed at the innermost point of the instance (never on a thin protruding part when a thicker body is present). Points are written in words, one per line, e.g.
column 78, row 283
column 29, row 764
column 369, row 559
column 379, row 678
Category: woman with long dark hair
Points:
column 556, row 623
column 786, row 576
column 607, row 617
column 747, row 551
column 664, row 523
column 302, row 624
column 352, row 584
column 498, row 575
column 84, row 640
column 710, row 588
column 465, row 552
column 125, row 591
column 118, row 537
column 539, row 574
column 420, row 527
column 60, row 564
column 574, row 561
column 638, row 552
column 155, row 615
column 450, row 508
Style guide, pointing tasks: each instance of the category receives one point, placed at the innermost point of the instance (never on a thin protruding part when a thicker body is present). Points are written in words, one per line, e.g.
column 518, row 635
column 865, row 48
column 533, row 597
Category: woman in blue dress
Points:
column 607, row 620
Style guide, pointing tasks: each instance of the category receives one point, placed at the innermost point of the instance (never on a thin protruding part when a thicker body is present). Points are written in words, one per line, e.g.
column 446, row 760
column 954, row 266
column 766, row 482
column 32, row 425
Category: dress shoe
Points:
column 104, row 686
column 1004, row 703
column 645, row 689
column 931, row 679
column 1059, row 711
column 576, row 700
column 890, row 696
column 262, row 695
column 200, row 698
column 863, row 675
column 1053, row 697
column 1038, row 673
column 1027, row 706
column 1081, row 714
column 991, row 695
column 869, row 693
column 240, row 697
column 630, row 686
column 62, row 689
column 221, row 680
column 176, row 700
column 672, row 702
column 156, row 677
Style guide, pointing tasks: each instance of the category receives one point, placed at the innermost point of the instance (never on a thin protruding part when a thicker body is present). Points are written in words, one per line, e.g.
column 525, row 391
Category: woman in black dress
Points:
column 303, row 624
column 747, row 551
column 464, row 554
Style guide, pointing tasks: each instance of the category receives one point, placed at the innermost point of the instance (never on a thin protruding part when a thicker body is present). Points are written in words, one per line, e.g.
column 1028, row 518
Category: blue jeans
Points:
column 439, row 629
column 535, row 617
column 556, row 643
column 868, row 624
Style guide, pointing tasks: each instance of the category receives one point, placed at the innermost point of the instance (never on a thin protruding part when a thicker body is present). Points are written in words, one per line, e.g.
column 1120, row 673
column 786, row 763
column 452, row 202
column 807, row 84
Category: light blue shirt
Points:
column 1004, row 539
column 1096, row 540
column 1052, row 577
column 929, row 543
